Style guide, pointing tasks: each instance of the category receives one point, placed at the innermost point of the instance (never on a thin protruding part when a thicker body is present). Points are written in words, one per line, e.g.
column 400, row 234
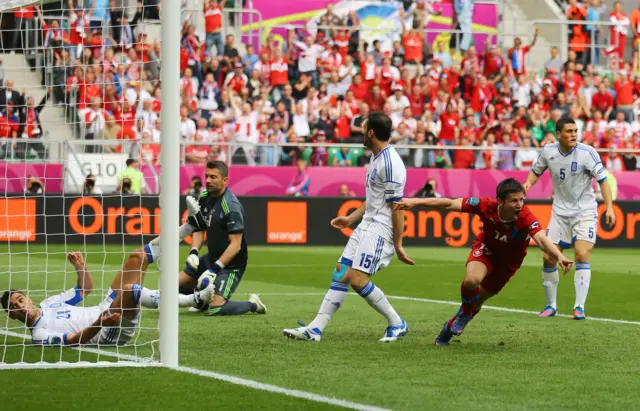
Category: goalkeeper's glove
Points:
column 193, row 261
column 195, row 218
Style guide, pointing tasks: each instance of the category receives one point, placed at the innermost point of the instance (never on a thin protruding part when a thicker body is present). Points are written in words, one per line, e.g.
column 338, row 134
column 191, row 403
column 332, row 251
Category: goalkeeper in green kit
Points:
column 217, row 212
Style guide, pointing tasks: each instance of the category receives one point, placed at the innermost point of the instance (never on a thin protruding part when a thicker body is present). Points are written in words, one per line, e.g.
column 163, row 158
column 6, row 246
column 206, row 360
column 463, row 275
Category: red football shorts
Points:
column 498, row 272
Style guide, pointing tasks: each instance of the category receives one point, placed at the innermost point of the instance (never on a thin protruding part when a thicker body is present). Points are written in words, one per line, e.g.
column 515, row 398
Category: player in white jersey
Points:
column 59, row 320
column 374, row 242
column 574, row 219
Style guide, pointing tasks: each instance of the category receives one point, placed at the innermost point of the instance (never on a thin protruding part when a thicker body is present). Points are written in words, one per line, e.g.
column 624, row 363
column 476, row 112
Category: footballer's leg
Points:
column 478, row 265
column 129, row 292
column 470, row 294
column 396, row 326
column 559, row 232
column 582, row 276
column 373, row 254
column 197, row 298
column 585, row 231
column 333, row 299
column 225, row 284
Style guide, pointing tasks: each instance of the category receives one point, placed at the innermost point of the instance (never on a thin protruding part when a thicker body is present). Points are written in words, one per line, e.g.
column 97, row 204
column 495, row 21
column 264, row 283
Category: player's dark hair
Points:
column 563, row 122
column 220, row 166
column 381, row 125
column 131, row 161
column 6, row 296
column 508, row 186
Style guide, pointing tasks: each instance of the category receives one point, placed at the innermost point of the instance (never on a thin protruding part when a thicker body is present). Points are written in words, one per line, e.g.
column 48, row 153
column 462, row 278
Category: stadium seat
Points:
column 333, row 152
column 356, row 153
column 306, row 154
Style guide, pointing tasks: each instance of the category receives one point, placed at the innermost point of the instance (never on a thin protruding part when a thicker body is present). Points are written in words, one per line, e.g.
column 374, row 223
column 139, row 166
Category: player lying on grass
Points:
column 498, row 250
column 59, row 321
column 373, row 243
column 217, row 212
column 574, row 220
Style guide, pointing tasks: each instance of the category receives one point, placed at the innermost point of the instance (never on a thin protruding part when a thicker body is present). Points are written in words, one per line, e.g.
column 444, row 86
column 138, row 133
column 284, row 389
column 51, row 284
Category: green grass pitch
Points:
column 505, row 360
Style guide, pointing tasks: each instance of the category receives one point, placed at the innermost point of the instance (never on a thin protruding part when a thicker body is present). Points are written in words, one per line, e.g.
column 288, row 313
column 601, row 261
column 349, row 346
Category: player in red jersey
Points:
column 497, row 252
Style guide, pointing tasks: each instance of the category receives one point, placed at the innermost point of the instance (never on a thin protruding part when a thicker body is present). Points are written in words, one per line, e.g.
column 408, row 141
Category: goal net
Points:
column 79, row 129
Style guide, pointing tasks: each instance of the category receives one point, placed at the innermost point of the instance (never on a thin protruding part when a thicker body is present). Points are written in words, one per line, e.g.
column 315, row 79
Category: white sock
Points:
column 550, row 279
column 186, row 300
column 376, row 299
column 333, row 299
column 149, row 298
column 581, row 279
column 153, row 252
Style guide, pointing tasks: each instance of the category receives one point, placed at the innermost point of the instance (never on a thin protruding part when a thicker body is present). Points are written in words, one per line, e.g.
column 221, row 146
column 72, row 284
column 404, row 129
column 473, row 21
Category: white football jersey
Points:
column 386, row 177
column 572, row 175
column 59, row 316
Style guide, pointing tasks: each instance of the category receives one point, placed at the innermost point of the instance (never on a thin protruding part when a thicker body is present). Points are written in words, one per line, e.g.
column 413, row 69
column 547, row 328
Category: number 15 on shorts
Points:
column 366, row 260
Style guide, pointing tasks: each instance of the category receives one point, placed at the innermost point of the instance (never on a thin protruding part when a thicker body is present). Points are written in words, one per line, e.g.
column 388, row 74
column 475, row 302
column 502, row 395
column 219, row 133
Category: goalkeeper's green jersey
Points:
column 223, row 215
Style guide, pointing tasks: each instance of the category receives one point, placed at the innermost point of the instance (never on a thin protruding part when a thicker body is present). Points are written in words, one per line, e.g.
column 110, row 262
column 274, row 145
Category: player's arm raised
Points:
column 85, row 282
column 548, row 247
column 449, row 204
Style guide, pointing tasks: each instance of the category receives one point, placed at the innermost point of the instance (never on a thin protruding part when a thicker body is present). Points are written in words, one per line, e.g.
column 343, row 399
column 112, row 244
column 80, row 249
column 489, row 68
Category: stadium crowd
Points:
column 319, row 88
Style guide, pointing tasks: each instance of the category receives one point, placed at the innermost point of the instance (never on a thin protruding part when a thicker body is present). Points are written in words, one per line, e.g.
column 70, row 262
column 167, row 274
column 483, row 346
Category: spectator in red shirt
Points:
column 450, row 131
column 213, row 25
column 464, row 158
column 518, row 54
column 482, row 94
column 416, row 101
column 197, row 153
column 412, row 41
column 359, row 88
column 625, row 96
column 493, row 62
column 376, row 99
column 603, row 100
column 342, row 126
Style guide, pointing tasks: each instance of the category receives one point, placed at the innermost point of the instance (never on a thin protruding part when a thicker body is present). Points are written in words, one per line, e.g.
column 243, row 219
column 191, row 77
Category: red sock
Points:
column 451, row 321
column 469, row 299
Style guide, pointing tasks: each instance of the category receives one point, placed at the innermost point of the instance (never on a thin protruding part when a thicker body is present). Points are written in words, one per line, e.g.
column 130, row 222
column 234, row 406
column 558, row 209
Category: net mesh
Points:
column 72, row 73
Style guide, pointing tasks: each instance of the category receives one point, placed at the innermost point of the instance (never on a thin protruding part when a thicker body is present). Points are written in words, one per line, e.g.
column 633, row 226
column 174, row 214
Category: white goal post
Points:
column 39, row 268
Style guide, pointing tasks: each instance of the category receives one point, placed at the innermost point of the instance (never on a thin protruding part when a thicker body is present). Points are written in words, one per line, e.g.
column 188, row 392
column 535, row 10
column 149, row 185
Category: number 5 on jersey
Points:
column 562, row 174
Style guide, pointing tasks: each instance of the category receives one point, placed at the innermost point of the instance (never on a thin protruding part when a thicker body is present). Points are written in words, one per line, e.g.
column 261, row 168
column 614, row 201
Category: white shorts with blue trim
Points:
column 564, row 231
column 367, row 252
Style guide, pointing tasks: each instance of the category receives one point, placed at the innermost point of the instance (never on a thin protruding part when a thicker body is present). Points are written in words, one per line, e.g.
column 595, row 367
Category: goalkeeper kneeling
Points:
column 59, row 321
column 217, row 212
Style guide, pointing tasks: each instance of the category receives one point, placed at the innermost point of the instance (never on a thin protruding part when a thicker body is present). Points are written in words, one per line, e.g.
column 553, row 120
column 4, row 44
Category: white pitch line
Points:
column 137, row 361
column 285, row 391
column 484, row 307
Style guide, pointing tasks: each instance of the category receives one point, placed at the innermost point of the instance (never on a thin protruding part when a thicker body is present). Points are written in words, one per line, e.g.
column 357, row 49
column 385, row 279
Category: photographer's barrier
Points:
column 325, row 181
column 123, row 220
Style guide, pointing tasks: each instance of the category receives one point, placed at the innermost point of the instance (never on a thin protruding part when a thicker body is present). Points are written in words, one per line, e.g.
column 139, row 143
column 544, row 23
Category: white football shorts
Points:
column 564, row 231
column 367, row 252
